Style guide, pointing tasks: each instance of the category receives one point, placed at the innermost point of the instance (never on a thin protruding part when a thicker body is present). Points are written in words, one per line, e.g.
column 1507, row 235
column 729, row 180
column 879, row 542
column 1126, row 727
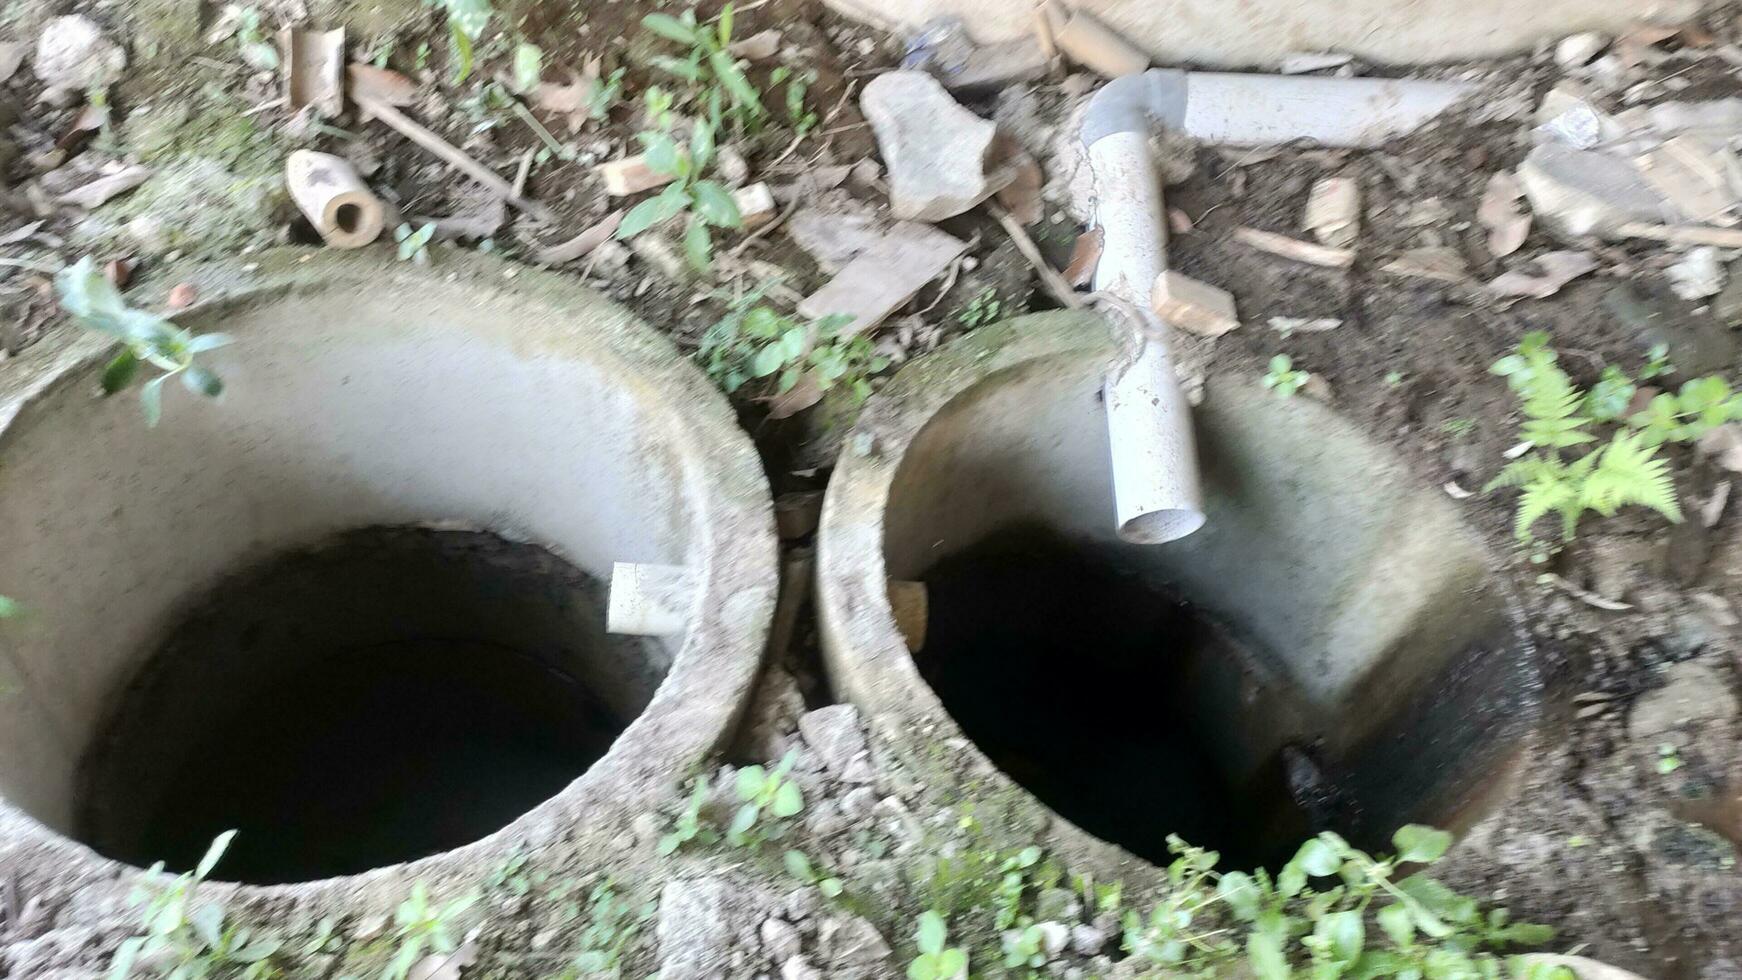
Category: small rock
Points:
column 849, row 941
column 1579, row 50
column 1724, row 446
column 1698, row 275
column 698, row 920
column 1685, row 550
column 780, row 940
column 801, row 904
column 543, row 940
column 858, row 803
column 1580, row 192
column 773, row 715
column 824, row 819
column 1193, row 306
column 1058, row 904
column 1055, row 936
column 936, row 151
column 798, row 968
column 1693, row 695
column 834, row 734
column 72, row 53
column 860, row 772
column 1087, row 940
column 1728, row 306
column 1333, row 211
column 647, row 827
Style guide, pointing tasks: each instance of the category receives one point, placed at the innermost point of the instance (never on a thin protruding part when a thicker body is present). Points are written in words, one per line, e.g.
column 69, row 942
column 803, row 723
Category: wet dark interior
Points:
column 1121, row 707
column 392, row 694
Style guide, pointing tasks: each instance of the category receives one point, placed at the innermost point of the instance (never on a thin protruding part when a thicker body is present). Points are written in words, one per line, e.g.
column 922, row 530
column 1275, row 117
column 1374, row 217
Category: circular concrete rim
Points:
column 696, row 707
column 868, row 661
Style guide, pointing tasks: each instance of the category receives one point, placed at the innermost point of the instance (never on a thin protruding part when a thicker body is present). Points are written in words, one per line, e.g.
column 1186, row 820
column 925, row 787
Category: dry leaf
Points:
column 572, row 101
column 182, row 296
column 11, row 58
column 1724, row 446
column 86, row 121
column 22, row 232
column 103, row 189
column 1554, row 270
column 582, row 245
column 1021, row 197
column 760, row 46
column 1085, row 256
column 796, row 399
column 1501, row 212
column 381, row 85
column 1438, row 264
column 1333, row 211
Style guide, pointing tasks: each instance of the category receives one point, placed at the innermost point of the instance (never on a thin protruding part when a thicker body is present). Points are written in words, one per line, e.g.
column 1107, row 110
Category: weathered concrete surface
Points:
column 365, row 392
column 1262, row 32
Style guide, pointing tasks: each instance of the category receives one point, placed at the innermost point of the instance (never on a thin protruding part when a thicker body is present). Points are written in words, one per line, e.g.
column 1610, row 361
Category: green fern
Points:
column 1626, row 472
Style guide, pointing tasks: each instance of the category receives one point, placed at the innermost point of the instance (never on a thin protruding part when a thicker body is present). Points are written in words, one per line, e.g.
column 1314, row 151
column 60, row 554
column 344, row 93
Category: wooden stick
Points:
column 1054, row 281
column 1294, row 248
column 450, row 154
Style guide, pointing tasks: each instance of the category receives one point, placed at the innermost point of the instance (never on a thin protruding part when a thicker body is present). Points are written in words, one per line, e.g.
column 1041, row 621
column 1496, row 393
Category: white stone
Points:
column 72, row 53
column 833, row 733
column 1579, row 50
column 936, row 151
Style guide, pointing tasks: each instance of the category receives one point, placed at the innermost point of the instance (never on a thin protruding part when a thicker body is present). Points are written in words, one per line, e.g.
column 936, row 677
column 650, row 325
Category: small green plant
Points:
column 467, row 20
column 798, row 864
column 185, row 939
column 414, row 245
column 712, row 73
column 147, row 338
column 689, row 826
column 1012, row 882
column 9, row 608
column 709, row 203
column 1702, row 404
column 754, row 342
column 605, row 95
column 1283, row 379
column 612, row 925
column 760, row 791
column 257, row 49
column 1668, row 759
column 981, row 310
column 421, row 927
column 1024, row 947
column 1284, row 926
column 800, row 115
column 937, row 960
column 1557, row 417
column 528, row 67
column 1458, row 428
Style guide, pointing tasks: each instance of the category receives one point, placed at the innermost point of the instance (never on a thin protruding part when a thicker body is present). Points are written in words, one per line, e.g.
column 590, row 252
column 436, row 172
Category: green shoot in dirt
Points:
column 1558, row 417
column 1668, row 758
column 184, row 939
column 147, row 338
column 760, row 791
column 1283, row 379
column 708, row 203
column 755, row 343
column 420, row 927
column 257, row 49
column 467, row 20
column 1284, row 926
column 414, row 245
column 689, row 826
column 611, row 927
column 10, row 608
column 798, row 864
column 800, row 115
column 712, row 73
column 981, row 310
column 937, row 960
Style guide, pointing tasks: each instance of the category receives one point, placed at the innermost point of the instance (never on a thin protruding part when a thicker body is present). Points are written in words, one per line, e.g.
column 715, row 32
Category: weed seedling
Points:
column 708, row 203
column 612, row 926
column 1668, row 759
column 257, row 50
column 9, row 608
column 753, row 342
column 689, row 826
column 185, row 939
column 798, row 864
column 713, row 74
column 467, row 20
column 420, row 927
column 147, row 338
column 1283, row 379
column 762, row 791
column 981, row 310
column 937, row 960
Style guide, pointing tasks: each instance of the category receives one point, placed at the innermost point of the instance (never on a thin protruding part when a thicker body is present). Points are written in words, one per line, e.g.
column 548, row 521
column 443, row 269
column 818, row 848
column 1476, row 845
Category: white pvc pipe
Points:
column 1158, row 496
column 1156, row 491
column 649, row 600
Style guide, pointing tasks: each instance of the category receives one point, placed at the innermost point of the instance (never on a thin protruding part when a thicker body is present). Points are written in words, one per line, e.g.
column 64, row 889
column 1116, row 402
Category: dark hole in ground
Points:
column 395, row 693
column 348, row 217
column 1120, row 706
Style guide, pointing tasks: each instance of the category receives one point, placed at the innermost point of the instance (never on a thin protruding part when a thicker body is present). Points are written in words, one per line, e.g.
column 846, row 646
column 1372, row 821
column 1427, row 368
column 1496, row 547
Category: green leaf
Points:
column 767, row 361
column 933, row 932
column 209, row 341
column 1264, row 953
column 743, row 94
column 9, row 608
column 751, row 779
column 799, row 866
column 89, row 297
column 1398, row 924
column 725, row 26
column 952, row 963
column 1344, row 932
column 1241, row 894
column 669, row 843
column 653, row 211
column 208, row 923
column 1317, row 859
column 1420, row 844
column 660, row 152
column 461, row 43
column 528, row 67
column 702, row 145
column 698, row 246
column 151, row 400
column 670, row 28
column 788, row 801
column 716, row 205
column 202, row 382
column 744, row 819
column 120, row 372
column 214, row 854
column 121, row 968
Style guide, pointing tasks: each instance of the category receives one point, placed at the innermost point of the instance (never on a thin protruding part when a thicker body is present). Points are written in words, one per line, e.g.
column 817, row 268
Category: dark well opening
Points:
column 1135, row 716
column 387, row 695
column 348, row 217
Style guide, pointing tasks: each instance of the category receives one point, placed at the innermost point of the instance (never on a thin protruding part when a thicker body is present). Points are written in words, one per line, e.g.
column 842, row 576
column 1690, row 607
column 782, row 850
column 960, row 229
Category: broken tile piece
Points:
column 1195, row 307
column 936, row 151
column 884, row 277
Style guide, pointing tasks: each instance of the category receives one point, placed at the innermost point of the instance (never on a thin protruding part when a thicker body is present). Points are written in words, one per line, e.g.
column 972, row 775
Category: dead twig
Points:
column 451, row 155
column 1586, row 596
column 1051, row 278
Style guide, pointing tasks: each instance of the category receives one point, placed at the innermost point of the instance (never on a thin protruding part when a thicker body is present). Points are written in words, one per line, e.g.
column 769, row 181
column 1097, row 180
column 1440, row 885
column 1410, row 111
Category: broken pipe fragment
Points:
column 334, row 198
